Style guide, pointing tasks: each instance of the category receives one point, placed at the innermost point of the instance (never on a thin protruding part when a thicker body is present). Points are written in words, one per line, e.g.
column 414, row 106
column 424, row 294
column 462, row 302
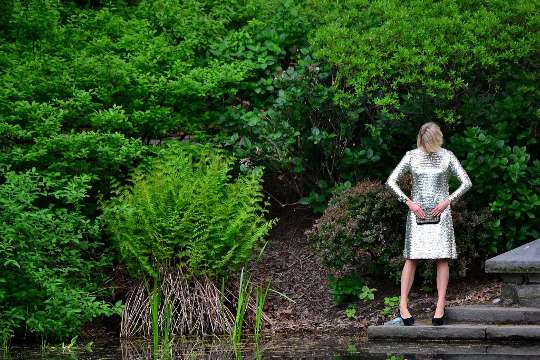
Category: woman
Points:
column 429, row 230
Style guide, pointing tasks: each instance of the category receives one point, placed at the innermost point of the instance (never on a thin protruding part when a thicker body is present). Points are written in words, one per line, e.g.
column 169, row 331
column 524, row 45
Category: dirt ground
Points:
column 295, row 270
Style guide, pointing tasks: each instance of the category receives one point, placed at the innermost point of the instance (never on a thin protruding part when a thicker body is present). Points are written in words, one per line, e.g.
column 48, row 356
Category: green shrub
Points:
column 425, row 55
column 361, row 230
column 391, row 303
column 106, row 159
column 52, row 263
column 186, row 210
column 508, row 182
column 349, row 288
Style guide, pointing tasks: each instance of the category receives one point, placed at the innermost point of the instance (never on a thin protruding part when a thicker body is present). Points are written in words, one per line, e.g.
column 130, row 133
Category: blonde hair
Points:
column 430, row 137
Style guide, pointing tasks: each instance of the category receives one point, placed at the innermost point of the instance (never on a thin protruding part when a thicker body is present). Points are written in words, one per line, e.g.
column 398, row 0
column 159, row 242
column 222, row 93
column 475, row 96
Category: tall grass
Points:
column 167, row 318
column 154, row 307
column 243, row 296
column 244, row 292
column 5, row 336
column 260, row 299
column 160, row 339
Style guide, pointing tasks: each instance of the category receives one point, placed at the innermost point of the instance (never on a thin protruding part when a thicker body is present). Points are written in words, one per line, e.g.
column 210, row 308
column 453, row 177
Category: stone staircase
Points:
column 517, row 317
column 475, row 322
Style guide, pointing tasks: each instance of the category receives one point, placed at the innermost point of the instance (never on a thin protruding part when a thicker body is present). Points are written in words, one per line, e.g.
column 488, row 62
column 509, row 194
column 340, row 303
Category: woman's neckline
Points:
column 430, row 153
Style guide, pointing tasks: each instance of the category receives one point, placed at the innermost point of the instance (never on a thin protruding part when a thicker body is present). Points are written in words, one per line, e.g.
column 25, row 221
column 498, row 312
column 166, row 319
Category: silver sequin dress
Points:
column 430, row 174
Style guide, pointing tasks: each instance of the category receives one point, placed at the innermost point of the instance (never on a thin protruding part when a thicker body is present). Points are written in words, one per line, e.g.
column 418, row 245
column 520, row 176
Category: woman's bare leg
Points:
column 407, row 278
column 442, row 285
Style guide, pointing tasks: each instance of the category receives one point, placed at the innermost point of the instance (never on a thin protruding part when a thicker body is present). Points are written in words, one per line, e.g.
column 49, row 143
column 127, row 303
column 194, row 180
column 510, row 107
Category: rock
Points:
column 513, row 332
column 514, row 278
column 457, row 350
column 523, row 295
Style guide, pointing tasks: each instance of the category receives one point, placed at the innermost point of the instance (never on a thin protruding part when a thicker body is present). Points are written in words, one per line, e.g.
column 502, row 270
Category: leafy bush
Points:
column 391, row 303
column 186, row 210
column 52, row 264
column 509, row 182
column 106, row 159
column 444, row 45
column 361, row 230
column 349, row 288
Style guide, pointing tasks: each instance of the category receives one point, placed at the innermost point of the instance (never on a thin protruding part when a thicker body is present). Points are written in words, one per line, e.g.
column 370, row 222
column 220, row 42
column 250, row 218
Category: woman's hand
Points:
column 415, row 208
column 440, row 207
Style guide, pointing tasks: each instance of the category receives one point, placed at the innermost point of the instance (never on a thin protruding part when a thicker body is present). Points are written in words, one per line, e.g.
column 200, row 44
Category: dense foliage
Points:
column 186, row 210
column 508, row 180
column 323, row 94
column 52, row 261
column 84, row 87
column 472, row 66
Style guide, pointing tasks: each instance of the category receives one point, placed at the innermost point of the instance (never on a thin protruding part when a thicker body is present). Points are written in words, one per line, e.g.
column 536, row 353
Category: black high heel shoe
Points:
column 439, row 320
column 408, row 321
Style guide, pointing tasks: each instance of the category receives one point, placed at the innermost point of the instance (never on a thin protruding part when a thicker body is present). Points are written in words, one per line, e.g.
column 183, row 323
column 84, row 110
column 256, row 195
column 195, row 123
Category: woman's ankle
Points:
column 404, row 310
column 439, row 310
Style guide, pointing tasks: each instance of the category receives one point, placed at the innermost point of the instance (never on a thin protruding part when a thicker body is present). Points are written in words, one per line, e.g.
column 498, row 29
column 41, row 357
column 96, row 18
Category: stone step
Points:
column 459, row 331
column 457, row 349
column 493, row 314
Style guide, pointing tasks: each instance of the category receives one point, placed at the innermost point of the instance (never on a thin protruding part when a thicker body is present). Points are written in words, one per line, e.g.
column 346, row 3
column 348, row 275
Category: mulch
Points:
column 294, row 269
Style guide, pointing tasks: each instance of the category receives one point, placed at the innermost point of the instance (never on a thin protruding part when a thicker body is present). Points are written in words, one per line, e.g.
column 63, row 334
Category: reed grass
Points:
column 244, row 292
column 260, row 299
column 167, row 319
column 5, row 341
column 155, row 315
column 198, row 306
column 161, row 330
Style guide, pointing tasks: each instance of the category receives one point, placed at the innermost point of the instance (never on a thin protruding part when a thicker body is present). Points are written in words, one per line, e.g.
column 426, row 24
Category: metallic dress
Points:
column 430, row 172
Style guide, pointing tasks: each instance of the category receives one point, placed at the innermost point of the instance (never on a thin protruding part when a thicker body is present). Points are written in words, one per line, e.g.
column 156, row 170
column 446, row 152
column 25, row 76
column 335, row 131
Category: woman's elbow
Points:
column 468, row 184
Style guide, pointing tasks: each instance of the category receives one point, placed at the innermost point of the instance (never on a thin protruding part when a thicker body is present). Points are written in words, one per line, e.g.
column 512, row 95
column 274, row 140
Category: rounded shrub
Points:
column 185, row 210
column 361, row 230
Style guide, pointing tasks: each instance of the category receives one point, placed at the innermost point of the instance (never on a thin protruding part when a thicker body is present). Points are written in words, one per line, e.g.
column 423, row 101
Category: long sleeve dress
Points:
column 430, row 172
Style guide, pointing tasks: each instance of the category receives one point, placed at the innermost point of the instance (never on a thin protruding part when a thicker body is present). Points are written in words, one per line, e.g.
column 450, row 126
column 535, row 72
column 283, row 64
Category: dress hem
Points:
column 430, row 258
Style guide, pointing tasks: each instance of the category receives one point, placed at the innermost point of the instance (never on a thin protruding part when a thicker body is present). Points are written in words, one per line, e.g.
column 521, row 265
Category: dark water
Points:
column 279, row 347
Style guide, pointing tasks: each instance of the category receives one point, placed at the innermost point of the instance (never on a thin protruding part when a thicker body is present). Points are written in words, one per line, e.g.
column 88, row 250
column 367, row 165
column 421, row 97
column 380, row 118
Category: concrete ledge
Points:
column 455, row 332
column 493, row 314
column 523, row 259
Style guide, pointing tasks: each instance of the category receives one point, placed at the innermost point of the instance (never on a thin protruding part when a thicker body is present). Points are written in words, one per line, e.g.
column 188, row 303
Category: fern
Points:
column 186, row 210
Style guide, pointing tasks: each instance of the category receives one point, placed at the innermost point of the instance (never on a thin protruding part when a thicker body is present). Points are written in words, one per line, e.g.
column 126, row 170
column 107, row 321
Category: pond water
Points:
column 279, row 347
